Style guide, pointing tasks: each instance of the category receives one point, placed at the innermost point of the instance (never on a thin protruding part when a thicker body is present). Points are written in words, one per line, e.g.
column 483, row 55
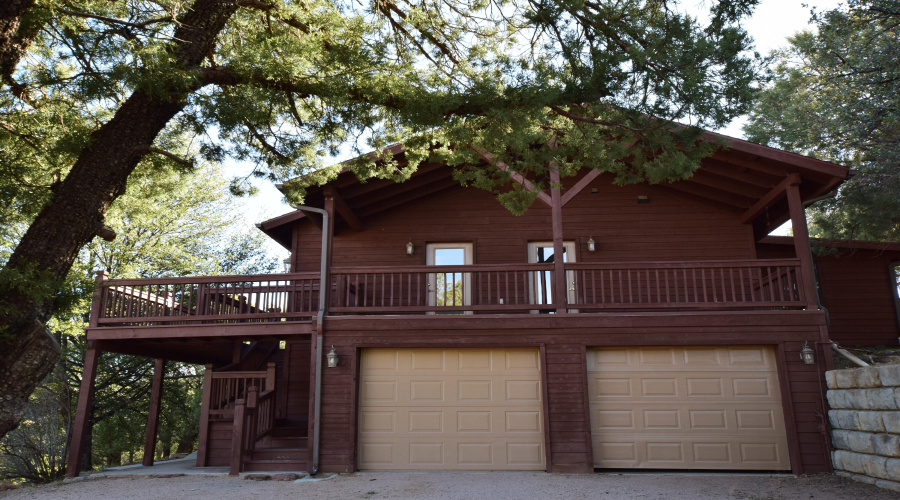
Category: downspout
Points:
column 320, row 330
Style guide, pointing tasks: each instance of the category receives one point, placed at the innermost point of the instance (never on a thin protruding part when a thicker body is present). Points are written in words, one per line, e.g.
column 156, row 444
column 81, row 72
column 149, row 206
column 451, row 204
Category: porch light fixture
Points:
column 807, row 354
column 410, row 248
column 332, row 358
column 287, row 265
column 592, row 245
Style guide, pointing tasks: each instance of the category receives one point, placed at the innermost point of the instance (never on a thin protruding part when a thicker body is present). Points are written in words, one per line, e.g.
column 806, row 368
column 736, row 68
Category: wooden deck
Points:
column 271, row 302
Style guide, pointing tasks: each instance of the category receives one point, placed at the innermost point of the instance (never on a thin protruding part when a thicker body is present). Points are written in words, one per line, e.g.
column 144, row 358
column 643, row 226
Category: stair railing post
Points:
column 237, row 439
column 270, row 377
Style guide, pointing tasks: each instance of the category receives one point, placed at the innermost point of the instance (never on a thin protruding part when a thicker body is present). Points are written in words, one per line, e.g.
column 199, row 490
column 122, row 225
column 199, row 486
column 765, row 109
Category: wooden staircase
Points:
column 283, row 451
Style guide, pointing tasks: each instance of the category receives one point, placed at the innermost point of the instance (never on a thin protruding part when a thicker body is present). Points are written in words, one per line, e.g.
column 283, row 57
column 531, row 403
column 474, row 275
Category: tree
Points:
column 282, row 83
column 836, row 96
column 168, row 224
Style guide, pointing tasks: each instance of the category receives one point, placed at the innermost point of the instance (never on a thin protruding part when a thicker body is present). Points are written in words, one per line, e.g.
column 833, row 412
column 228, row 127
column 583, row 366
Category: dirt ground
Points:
column 468, row 486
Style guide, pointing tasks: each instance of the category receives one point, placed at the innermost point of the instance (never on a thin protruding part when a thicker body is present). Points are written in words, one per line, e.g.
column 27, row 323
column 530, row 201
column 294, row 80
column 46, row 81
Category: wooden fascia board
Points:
column 342, row 208
column 580, row 185
column 806, row 163
column 773, row 195
column 515, row 176
column 360, row 188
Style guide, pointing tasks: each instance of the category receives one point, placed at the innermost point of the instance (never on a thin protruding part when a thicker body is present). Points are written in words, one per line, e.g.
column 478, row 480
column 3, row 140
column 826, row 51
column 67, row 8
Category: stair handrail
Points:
column 254, row 419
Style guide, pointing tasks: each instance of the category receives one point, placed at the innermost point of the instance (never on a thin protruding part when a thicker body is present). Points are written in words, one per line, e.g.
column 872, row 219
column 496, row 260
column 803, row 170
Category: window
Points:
column 448, row 288
column 541, row 283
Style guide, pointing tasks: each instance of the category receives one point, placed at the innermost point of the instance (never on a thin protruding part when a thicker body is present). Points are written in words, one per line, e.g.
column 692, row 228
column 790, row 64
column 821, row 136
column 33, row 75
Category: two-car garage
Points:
column 650, row 407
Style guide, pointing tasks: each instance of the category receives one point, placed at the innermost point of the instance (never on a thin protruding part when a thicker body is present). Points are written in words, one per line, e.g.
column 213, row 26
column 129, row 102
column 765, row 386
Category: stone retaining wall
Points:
column 865, row 424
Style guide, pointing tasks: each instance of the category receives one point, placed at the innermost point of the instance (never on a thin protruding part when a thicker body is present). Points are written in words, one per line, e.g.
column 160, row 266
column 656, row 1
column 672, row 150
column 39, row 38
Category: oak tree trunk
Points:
column 75, row 214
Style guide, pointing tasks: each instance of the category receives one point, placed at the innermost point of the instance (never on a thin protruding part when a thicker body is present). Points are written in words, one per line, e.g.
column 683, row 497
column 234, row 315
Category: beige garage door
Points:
column 686, row 408
column 451, row 409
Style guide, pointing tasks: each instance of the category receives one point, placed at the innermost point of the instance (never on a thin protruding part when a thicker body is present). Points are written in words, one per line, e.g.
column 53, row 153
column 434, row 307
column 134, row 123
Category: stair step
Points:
column 281, row 454
column 256, row 465
column 287, row 442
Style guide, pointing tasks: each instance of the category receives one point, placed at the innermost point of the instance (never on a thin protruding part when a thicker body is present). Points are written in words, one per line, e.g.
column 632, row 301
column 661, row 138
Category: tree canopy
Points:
column 836, row 96
column 93, row 89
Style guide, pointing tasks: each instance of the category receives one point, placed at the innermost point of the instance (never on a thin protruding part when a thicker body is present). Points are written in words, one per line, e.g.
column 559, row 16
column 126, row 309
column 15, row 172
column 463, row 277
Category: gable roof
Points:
column 744, row 178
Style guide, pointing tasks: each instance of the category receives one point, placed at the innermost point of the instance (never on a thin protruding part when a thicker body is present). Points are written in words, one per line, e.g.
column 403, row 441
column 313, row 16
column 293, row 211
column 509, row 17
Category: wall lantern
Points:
column 287, row 265
column 592, row 245
column 332, row 358
column 410, row 248
column 807, row 354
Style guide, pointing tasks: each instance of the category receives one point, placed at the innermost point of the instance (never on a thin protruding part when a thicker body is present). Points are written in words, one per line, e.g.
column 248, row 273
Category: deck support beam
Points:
column 159, row 369
column 83, row 411
column 801, row 244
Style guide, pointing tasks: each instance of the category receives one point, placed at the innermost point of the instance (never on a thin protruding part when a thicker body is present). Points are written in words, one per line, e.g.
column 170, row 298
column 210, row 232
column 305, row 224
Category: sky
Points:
column 772, row 23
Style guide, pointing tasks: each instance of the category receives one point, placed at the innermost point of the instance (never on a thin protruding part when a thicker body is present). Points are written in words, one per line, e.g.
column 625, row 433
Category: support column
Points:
column 83, row 411
column 153, row 416
column 801, row 244
column 560, row 296
column 204, row 416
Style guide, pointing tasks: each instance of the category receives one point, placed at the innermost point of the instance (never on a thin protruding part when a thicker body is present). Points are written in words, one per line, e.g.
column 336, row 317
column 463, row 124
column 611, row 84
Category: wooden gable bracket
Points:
column 344, row 209
column 777, row 192
column 515, row 176
column 579, row 186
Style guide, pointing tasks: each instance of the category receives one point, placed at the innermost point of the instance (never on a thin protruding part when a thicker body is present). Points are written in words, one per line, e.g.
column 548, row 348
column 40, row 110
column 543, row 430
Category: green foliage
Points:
column 836, row 96
column 167, row 224
column 291, row 83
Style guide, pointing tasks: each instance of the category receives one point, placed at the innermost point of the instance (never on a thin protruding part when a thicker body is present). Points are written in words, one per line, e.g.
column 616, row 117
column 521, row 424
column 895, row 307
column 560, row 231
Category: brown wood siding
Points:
column 668, row 228
column 218, row 447
column 565, row 339
column 296, row 383
column 859, row 292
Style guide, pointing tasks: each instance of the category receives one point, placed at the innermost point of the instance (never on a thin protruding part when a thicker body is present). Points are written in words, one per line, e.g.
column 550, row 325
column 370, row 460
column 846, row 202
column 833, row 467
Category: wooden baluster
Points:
column 703, row 282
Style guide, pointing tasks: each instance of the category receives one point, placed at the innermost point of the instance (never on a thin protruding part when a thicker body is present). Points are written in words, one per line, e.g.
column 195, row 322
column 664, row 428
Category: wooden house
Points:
column 424, row 327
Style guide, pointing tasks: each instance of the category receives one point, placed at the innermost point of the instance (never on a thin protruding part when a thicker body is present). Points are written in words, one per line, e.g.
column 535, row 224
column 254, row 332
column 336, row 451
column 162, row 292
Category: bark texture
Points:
column 16, row 34
column 75, row 214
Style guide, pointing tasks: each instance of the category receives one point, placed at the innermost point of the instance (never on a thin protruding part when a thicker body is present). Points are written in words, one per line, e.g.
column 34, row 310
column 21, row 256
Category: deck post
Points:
column 270, row 377
column 560, row 295
column 237, row 438
column 801, row 244
column 83, row 411
column 98, row 301
column 205, row 403
column 159, row 369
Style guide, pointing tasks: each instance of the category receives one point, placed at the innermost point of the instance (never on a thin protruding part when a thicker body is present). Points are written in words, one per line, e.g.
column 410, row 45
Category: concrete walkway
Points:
column 186, row 465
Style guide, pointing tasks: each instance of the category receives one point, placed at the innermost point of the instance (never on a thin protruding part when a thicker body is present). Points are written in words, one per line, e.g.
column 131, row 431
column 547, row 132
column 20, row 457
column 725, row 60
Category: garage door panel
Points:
column 626, row 359
column 460, row 409
column 686, row 408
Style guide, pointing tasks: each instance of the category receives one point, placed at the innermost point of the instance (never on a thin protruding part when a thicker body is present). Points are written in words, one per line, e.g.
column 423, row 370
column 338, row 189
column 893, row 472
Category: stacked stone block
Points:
column 865, row 423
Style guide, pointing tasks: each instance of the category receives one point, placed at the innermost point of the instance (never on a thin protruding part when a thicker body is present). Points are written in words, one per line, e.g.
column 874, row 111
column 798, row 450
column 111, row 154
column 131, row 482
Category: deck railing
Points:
column 442, row 289
column 218, row 299
column 756, row 284
column 471, row 289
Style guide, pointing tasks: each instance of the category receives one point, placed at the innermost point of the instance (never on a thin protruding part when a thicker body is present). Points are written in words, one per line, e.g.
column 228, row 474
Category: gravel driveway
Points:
column 465, row 486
